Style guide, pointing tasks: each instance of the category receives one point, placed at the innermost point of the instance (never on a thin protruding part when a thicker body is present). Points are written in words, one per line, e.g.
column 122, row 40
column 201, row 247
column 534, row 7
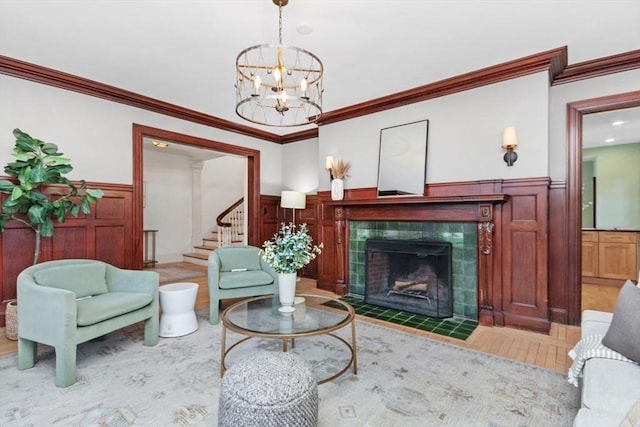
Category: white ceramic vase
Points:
column 337, row 189
column 286, row 291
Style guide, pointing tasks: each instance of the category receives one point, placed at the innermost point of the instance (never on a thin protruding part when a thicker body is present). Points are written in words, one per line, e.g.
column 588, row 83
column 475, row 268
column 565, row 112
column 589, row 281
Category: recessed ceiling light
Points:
column 618, row 122
column 609, row 140
column 160, row 144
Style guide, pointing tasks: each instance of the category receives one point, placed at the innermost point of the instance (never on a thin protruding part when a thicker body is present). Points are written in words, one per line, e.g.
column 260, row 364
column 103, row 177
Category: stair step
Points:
column 195, row 258
column 207, row 247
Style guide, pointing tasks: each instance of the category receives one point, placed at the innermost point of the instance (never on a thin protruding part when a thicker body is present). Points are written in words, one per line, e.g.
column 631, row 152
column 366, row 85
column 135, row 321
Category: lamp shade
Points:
column 328, row 163
column 509, row 139
column 293, row 200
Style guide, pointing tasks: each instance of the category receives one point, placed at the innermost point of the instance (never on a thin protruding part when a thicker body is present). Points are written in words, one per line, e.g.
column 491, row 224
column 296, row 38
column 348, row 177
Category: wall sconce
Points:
column 509, row 142
column 328, row 165
column 293, row 200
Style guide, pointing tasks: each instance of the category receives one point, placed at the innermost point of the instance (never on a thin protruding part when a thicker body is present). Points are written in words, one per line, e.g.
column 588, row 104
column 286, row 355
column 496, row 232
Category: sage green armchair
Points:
column 67, row 302
column 235, row 272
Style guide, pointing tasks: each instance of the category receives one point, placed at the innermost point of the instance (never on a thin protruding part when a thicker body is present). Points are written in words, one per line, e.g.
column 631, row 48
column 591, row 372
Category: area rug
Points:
column 176, row 274
column 402, row 380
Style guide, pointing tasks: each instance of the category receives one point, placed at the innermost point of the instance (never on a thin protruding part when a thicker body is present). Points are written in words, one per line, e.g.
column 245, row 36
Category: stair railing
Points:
column 231, row 224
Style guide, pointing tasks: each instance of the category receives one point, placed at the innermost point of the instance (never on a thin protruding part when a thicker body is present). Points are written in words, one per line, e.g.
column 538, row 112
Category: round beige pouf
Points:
column 269, row 389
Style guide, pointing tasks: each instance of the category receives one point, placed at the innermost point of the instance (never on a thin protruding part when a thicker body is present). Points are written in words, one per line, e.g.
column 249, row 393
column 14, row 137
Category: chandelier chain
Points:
column 280, row 23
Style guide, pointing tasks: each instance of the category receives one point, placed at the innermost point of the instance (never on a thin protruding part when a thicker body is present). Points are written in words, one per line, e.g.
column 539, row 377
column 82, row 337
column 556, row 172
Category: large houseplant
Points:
column 289, row 251
column 39, row 192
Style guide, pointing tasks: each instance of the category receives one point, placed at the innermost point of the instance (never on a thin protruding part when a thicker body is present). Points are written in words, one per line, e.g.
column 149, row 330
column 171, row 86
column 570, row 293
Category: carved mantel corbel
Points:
column 485, row 228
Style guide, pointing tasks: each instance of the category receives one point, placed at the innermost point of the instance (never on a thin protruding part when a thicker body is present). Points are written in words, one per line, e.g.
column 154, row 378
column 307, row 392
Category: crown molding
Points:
column 36, row 73
column 554, row 61
column 599, row 67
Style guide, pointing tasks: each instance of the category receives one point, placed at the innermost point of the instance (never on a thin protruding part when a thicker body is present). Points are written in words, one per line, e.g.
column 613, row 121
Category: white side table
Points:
column 177, row 301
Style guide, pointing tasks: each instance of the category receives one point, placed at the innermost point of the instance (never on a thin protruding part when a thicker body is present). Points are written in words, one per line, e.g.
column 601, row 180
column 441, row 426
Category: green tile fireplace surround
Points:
column 462, row 236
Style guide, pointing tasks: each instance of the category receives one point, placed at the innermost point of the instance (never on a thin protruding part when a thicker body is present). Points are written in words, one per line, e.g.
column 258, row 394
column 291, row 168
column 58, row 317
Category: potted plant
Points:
column 39, row 192
column 287, row 252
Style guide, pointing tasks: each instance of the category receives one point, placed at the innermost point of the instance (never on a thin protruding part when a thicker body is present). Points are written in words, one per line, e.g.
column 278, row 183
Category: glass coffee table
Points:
column 316, row 315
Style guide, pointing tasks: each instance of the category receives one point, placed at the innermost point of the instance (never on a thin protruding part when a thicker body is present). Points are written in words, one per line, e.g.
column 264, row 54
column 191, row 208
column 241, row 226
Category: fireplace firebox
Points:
column 409, row 275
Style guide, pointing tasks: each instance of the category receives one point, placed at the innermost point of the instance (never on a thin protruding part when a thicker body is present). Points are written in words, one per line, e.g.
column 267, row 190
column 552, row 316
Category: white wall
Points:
column 96, row 134
column 465, row 131
column 168, row 203
column 561, row 95
column 300, row 166
column 223, row 183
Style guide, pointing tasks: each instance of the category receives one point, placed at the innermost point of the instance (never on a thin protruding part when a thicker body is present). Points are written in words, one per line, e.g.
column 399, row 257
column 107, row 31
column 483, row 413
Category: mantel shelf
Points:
column 480, row 198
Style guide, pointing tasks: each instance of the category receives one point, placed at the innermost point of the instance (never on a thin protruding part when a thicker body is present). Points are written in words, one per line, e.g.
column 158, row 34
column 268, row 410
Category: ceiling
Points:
column 183, row 51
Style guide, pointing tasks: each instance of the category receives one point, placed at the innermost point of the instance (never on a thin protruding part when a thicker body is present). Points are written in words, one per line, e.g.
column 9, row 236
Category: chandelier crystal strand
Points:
column 278, row 85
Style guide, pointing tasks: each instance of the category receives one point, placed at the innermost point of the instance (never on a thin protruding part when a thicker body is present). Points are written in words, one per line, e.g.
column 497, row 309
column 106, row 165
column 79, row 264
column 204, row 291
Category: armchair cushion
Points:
column 103, row 307
column 82, row 279
column 244, row 279
column 233, row 258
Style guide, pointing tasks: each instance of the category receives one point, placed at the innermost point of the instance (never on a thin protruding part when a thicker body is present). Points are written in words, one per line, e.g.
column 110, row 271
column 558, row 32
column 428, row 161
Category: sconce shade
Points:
column 328, row 163
column 293, row 200
column 509, row 139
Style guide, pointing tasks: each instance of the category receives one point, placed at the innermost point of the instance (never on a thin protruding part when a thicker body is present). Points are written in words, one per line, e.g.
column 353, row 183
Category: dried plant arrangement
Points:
column 340, row 169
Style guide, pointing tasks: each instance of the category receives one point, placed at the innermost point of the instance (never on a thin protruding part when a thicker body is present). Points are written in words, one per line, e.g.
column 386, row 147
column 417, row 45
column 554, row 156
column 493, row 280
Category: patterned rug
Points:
column 402, row 380
column 176, row 274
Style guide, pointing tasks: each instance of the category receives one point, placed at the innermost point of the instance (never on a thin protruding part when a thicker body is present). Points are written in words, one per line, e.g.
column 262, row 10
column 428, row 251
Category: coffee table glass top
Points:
column 261, row 316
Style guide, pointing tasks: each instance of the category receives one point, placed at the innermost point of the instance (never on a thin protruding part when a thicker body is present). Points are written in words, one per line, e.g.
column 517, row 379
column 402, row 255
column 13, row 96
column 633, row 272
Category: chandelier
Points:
column 278, row 85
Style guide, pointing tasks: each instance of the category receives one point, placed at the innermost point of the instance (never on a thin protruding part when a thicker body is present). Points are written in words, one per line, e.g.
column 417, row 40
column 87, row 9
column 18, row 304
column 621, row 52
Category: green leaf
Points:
column 46, row 229
column 24, row 141
column 50, row 149
column 39, row 174
column 75, row 210
column 85, row 206
column 6, row 186
column 56, row 160
column 37, row 215
column 16, row 193
column 95, row 193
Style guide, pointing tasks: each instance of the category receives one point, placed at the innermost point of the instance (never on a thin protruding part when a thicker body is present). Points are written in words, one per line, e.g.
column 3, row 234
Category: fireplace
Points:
column 409, row 275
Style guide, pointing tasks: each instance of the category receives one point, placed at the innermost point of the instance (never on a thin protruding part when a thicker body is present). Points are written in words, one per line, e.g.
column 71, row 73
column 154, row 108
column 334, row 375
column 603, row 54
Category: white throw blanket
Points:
column 587, row 348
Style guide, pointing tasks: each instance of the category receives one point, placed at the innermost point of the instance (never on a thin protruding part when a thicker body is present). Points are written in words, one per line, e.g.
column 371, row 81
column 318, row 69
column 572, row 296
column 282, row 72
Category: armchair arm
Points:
column 213, row 276
column 47, row 315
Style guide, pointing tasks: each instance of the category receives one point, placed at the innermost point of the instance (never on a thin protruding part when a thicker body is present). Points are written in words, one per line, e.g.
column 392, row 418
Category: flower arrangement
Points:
column 290, row 249
column 340, row 169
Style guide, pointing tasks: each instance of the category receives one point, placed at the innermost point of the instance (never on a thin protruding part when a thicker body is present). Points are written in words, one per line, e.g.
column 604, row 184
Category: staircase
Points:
column 230, row 231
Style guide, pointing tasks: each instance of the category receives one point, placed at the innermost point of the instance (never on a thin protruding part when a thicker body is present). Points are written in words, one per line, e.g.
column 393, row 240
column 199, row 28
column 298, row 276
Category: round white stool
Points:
column 178, row 316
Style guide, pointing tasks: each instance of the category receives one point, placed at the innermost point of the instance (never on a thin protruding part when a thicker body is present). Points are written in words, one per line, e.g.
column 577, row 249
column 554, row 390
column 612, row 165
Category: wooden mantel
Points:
column 479, row 209
column 477, row 198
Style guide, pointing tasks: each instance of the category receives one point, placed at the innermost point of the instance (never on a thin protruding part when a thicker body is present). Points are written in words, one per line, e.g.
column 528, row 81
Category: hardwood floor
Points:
column 548, row 351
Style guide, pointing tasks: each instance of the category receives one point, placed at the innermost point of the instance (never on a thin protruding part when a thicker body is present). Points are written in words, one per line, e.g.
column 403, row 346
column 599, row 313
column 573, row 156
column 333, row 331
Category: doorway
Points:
column 575, row 113
column 141, row 132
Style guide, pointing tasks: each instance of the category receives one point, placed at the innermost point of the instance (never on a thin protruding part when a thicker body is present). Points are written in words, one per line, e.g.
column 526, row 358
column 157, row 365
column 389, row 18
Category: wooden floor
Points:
column 548, row 351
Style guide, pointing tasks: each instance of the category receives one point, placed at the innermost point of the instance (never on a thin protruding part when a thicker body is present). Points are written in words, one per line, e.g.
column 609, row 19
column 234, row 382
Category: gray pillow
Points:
column 623, row 335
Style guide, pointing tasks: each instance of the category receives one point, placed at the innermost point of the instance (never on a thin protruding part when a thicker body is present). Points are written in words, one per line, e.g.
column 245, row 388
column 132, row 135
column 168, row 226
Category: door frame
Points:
column 575, row 112
column 253, row 179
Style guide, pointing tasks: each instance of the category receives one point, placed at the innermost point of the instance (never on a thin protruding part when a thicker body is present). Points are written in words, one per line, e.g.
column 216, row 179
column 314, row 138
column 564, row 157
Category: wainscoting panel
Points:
column 525, row 254
column 106, row 234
